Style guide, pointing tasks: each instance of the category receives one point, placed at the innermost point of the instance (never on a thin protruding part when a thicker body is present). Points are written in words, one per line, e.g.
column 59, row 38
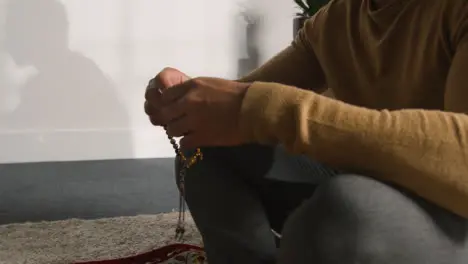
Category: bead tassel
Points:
column 186, row 163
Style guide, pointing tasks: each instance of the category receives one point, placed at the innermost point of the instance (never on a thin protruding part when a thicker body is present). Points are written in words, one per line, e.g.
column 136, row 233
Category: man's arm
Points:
column 297, row 65
column 423, row 151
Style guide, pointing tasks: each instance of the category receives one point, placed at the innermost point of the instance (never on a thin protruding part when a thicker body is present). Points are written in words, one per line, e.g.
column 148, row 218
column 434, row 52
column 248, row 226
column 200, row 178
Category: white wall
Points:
column 82, row 100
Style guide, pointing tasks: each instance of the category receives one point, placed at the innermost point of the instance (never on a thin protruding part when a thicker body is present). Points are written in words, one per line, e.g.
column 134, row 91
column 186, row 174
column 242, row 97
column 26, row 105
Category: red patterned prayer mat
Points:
column 171, row 254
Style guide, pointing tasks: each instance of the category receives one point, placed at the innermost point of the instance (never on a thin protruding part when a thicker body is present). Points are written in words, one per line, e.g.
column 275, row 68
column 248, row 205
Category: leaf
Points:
column 310, row 7
column 302, row 5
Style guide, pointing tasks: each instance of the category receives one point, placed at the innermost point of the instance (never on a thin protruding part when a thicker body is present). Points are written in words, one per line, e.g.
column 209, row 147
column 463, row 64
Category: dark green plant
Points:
column 309, row 7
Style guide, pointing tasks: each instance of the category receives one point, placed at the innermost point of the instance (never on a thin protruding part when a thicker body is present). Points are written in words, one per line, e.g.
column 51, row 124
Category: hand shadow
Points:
column 69, row 91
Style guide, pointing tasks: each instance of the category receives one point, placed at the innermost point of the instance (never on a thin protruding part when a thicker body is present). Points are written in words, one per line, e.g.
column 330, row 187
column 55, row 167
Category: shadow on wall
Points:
column 69, row 90
column 252, row 28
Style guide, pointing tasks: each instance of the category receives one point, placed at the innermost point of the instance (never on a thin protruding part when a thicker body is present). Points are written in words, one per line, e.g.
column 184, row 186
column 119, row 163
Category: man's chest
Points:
column 401, row 64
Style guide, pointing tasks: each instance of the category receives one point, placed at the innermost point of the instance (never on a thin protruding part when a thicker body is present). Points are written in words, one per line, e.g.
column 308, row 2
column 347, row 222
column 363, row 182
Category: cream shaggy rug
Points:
column 63, row 242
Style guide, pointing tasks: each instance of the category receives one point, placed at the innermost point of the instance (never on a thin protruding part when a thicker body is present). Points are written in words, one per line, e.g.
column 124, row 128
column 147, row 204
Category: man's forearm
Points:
column 423, row 151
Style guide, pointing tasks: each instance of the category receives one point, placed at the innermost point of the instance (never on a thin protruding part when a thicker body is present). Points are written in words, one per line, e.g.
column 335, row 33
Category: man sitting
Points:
column 377, row 175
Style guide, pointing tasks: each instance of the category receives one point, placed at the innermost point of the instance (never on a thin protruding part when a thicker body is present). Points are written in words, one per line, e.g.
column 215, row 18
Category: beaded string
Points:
column 186, row 163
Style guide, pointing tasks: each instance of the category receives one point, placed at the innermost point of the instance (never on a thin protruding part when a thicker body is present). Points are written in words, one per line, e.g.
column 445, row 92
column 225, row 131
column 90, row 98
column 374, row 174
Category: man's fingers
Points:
column 192, row 141
column 176, row 92
column 172, row 111
column 153, row 95
column 179, row 127
column 153, row 114
column 155, row 120
column 149, row 110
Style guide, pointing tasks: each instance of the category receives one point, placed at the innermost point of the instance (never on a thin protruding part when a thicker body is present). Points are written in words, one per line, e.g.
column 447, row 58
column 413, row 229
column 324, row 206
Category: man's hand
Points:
column 204, row 111
column 165, row 79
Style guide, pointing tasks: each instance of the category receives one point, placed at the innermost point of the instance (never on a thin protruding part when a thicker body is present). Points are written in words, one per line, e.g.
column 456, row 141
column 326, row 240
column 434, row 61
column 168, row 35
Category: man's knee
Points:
column 195, row 169
column 207, row 178
column 355, row 218
column 324, row 227
column 250, row 161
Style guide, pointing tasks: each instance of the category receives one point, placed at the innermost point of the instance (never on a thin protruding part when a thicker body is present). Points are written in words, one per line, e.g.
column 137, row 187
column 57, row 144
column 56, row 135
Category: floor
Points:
column 86, row 189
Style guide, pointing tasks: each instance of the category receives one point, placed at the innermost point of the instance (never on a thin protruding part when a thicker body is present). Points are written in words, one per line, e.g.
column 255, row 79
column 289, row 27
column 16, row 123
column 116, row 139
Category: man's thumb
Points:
column 170, row 77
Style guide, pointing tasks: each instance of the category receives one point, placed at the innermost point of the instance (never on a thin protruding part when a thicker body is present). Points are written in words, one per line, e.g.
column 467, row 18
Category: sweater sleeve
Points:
column 423, row 151
column 296, row 65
